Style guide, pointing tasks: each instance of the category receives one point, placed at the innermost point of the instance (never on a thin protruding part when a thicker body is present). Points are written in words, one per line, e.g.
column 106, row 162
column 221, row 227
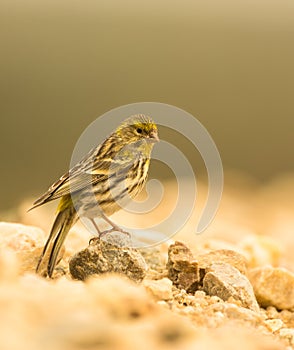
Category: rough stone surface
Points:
column 26, row 242
column 275, row 324
column 235, row 312
column 287, row 317
column 182, row 268
column 160, row 289
column 273, row 286
column 20, row 237
column 102, row 256
column 223, row 256
column 154, row 258
column 29, row 259
column 225, row 281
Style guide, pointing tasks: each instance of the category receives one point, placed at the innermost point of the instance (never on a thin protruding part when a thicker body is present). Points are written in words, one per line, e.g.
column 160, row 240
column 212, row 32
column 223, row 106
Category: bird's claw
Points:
column 103, row 233
column 114, row 229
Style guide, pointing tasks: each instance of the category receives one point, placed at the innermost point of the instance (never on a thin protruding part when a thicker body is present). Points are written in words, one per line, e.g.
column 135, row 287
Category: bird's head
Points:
column 138, row 128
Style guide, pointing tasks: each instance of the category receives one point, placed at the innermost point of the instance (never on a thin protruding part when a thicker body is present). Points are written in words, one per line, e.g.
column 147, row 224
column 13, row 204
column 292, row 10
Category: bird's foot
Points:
column 114, row 229
column 101, row 234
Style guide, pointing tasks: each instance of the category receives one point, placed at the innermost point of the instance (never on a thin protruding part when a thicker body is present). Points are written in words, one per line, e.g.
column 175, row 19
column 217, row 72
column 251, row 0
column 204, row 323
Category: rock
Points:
column 156, row 261
column 234, row 312
column 9, row 266
column 225, row 281
column 273, row 286
column 272, row 312
column 20, row 237
column 102, row 256
column 231, row 257
column 182, row 268
column 160, row 289
column 26, row 242
column 115, row 238
column 28, row 259
column 274, row 324
column 154, row 258
column 288, row 318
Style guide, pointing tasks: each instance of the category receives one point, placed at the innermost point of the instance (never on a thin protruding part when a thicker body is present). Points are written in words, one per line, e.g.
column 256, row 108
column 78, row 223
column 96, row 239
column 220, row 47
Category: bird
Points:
column 106, row 179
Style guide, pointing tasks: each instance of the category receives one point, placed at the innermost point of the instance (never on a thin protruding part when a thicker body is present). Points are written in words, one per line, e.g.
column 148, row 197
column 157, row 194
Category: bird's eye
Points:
column 139, row 130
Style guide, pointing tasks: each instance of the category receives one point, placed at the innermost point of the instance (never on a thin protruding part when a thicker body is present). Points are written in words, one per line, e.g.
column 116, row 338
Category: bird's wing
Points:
column 84, row 174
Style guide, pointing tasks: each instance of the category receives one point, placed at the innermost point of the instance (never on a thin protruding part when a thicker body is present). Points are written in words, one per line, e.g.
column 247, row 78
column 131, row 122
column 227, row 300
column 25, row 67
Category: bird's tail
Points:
column 65, row 219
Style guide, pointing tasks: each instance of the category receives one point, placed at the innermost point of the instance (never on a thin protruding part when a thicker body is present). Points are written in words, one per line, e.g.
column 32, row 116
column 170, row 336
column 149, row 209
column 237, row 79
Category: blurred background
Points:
column 64, row 63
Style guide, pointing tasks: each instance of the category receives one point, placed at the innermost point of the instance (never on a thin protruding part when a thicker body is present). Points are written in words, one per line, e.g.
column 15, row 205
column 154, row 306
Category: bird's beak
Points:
column 154, row 137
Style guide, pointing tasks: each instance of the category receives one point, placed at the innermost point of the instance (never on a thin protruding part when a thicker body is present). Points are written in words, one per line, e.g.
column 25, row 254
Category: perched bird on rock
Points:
column 101, row 183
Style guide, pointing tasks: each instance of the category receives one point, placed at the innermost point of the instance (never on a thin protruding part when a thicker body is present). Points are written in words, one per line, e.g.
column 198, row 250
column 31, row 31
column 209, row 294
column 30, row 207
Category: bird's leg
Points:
column 114, row 227
column 98, row 231
column 96, row 226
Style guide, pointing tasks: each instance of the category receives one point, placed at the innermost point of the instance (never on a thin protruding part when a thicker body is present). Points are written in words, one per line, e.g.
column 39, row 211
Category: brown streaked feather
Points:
column 84, row 174
column 62, row 187
column 48, row 196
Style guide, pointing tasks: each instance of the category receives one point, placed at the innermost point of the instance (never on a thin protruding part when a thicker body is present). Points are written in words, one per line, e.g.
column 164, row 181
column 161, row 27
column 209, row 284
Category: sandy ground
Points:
column 109, row 311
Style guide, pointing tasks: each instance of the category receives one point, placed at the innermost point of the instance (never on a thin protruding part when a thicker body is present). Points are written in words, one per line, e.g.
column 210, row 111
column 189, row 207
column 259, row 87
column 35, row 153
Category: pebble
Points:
column 225, row 281
column 159, row 289
column 102, row 257
column 18, row 237
column 273, row 286
column 25, row 242
column 274, row 324
column 183, row 270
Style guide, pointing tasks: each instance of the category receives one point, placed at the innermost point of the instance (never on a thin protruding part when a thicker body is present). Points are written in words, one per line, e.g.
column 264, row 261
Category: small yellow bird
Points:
column 101, row 183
